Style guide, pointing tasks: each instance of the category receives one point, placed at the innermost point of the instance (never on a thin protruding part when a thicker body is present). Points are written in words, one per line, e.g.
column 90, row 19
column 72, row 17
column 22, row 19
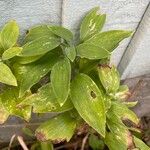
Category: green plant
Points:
column 50, row 73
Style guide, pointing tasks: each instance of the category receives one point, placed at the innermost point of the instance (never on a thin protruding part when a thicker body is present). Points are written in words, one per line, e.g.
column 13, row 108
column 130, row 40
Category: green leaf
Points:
column 10, row 100
column 11, row 52
column 123, row 112
column 59, row 128
column 70, row 53
column 40, row 46
column 4, row 114
column 140, row 144
column 112, row 142
column 30, row 74
column 45, row 101
column 60, row 80
column 62, row 32
column 38, row 32
column 46, row 146
column 28, row 60
column 109, row 40
column 95, row 143
column 9, row 34
column 91, row 24
column 90, row 51
column 6, row 75
column 89, row 102
column 28, row 132
column 109, row 77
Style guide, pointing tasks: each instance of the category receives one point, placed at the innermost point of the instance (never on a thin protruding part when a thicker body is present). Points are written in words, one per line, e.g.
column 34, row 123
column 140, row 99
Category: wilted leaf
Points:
column 140, row 144
column 91, row 24
column 9, row 34
column 109, row 40
column 96, row 143
column 45, row 101
column 10, row 100
column 11, row 52
column 119, row 130
column 62, row 32
column 6, row 75
column 60, row 80
column 122, row 93
column 38, row 32
column 58, row 129
column 70, row 52
column 30, row 74
column 91, row 51
column 89, row 102
column 123, row 112
column 40, row 46
column 109, row 78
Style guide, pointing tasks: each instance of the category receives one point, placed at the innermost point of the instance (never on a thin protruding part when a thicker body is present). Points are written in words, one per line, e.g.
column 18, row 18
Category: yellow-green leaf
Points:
column 40, row 46
column 6, row 75
column 89, row 102
column 123, row 112
column 60, row 80
column 45, row 101
column 91, row 24
column 91, row 51
column 38, row 32
column 10, row 100
column 109, row 78
column 9, row 34
column 140, row 144
column 109, row 40
column 59, row 128
column 11, row 52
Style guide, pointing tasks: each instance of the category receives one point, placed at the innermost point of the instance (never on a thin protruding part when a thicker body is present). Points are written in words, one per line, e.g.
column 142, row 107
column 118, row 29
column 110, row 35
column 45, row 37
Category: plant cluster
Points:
column 48, row 72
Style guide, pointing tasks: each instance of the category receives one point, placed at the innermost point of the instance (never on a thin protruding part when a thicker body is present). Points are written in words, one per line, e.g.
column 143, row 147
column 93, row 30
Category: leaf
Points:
column 119, row 130
column 89, row 102
column 30, row 74
column 58, row 129
column 46, row 146
column 9, row 34
column 112, row 143
column 109, row 40
column 6, row 75
column 90, row 51
column 140, row 144
column 109, row 77
column 60, row 80
column 10, row 100
column 130, row 104
column 70, row 53
column 38, row 32
column 4, row 114
column 91, row 24
column 45, row 101
column 40, row 46
column 122, row 93
column 62, row 32
column 123, row 112
column 28, row 132
column 95, row 143
column 28, row 60
column 11, row 52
